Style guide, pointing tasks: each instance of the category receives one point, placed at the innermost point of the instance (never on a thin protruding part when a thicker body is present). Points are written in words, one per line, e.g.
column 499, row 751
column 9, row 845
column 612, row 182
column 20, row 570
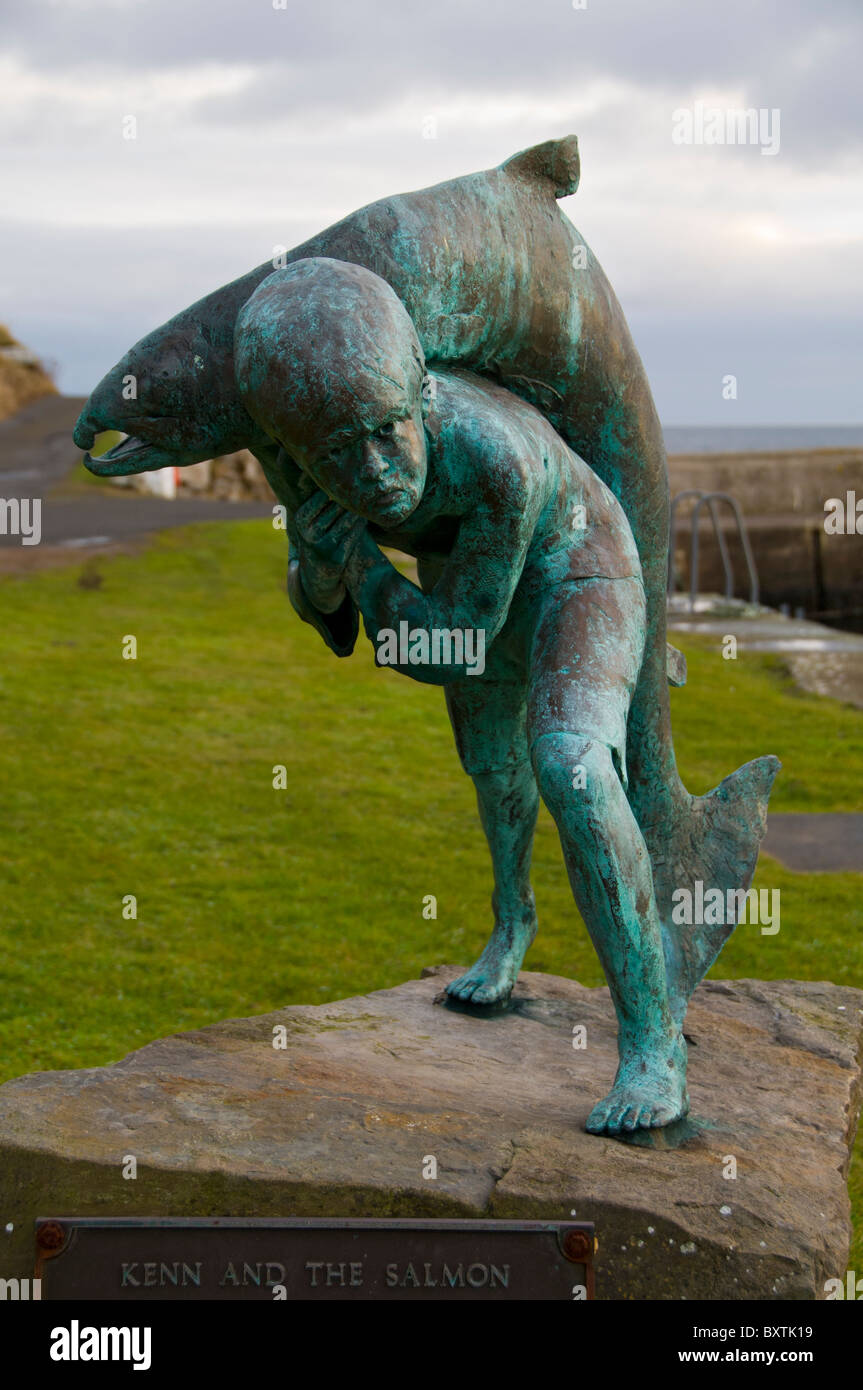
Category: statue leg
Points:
column 508, row 804
column 488, row 716
column 585, row 658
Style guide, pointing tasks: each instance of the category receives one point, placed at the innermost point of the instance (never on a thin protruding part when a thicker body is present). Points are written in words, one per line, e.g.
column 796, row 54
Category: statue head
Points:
column 329, row 364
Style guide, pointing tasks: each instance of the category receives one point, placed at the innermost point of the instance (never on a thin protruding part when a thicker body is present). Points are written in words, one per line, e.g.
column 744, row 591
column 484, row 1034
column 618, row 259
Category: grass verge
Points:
column 154, row 777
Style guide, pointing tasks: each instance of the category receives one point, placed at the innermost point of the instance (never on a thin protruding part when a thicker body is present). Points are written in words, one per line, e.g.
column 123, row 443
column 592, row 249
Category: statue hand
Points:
column 328, row 535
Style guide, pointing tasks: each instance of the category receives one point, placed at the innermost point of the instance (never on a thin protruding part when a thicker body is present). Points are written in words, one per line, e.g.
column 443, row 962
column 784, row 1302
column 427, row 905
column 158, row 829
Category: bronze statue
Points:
column 449, row 372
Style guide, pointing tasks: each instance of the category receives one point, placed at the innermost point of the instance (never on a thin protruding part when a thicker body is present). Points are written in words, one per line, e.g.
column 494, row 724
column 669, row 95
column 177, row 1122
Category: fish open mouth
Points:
column 130, row 455
column 125, row 449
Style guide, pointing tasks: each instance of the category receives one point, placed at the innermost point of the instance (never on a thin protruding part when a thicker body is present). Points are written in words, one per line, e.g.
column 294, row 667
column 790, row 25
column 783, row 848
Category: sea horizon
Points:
column 744, row 439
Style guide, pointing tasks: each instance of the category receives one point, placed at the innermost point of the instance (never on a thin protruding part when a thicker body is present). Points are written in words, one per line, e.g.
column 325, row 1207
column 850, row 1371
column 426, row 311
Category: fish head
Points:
column 174, row 397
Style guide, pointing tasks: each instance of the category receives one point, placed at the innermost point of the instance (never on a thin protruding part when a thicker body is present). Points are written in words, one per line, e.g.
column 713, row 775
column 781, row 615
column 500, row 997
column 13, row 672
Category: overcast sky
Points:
column 257, row 126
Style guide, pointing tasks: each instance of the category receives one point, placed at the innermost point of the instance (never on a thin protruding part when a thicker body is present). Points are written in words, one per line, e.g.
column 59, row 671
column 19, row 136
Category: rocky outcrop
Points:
column 23, row 377
column 335, row 1109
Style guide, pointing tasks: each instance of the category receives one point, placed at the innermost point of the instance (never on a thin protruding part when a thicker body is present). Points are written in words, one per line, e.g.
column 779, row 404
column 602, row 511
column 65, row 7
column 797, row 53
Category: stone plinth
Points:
column 340, row 1122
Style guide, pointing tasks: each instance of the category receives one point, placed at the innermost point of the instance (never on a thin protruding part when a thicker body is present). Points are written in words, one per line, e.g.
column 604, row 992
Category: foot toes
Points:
column 619, row 1116
column 462, row 988
column 597, row 1118
column 478, row 989
column 614, row 1116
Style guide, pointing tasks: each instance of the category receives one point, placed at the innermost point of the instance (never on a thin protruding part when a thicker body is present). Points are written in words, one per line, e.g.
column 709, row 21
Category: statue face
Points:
column 380, row 475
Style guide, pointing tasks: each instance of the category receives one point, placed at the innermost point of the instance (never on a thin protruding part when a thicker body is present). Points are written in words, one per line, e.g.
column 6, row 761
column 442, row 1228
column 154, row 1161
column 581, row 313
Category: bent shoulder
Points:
column 502, row 438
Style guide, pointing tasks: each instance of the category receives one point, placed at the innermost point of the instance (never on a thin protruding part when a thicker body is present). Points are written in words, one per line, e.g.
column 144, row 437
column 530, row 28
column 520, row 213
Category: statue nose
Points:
column 85, row 431
column 373, row 466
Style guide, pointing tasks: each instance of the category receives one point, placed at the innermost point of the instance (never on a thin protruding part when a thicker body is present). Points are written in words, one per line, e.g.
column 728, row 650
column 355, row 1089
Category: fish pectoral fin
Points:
column 555, row 162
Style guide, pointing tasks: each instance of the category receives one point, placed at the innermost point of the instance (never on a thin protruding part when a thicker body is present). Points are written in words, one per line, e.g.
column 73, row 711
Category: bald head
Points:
column 329, row 364
column 324, row 353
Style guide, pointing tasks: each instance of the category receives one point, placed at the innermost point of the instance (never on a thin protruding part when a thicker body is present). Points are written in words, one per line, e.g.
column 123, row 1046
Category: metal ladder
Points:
column 710, row 500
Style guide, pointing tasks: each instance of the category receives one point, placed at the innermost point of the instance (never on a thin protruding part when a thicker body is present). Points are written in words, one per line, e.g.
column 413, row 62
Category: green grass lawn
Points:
column 154, row 778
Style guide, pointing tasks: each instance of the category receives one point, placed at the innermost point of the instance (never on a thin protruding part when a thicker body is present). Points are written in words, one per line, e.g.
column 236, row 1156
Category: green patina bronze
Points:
column 449, row 372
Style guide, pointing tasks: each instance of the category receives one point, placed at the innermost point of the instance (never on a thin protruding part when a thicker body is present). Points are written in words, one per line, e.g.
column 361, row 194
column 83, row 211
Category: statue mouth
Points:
column 131, row 455
column 397, row 506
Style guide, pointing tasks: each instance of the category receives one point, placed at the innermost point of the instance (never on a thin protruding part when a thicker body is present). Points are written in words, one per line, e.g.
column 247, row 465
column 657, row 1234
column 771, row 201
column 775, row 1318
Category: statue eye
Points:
column 385, row 431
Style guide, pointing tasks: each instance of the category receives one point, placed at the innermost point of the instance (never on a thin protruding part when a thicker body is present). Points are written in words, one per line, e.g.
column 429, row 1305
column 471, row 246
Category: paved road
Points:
column 816, row 841
column 36, row 448
column 823, row 660
column 37, row 453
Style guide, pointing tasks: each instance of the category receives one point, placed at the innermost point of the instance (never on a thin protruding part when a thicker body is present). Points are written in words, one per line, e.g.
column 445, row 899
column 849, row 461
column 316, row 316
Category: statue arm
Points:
column 338, row 628
column 473, row 593
column 335, row 615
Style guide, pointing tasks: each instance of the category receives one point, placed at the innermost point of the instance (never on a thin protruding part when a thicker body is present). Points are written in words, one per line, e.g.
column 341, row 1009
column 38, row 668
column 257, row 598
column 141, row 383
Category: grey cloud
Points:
column 342, row 57
column 791, row 333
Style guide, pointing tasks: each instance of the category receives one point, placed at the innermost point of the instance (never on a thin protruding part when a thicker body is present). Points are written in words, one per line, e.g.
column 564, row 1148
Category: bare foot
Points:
column 649, row 1091
column 492, row 979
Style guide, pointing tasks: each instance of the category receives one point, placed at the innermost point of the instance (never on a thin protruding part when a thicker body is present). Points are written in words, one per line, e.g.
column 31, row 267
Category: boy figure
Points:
column 517, row 538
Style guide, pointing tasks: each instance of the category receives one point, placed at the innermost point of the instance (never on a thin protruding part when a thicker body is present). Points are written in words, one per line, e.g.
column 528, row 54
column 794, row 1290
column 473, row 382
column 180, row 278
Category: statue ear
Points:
column 426, row 392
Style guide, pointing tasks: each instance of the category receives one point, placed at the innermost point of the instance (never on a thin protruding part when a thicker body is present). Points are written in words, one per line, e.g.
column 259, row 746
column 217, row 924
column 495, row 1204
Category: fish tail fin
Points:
column 715, row 841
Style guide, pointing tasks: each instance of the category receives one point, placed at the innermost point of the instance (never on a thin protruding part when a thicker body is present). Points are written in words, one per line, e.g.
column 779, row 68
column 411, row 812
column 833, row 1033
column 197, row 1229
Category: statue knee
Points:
column 571, row 770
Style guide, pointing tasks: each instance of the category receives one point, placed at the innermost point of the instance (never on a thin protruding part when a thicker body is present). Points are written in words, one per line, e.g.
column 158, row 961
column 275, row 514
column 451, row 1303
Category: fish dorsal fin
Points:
column 555, row 162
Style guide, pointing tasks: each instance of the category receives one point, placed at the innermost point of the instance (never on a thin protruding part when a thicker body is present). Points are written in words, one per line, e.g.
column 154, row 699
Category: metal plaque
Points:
column 145, row 1258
